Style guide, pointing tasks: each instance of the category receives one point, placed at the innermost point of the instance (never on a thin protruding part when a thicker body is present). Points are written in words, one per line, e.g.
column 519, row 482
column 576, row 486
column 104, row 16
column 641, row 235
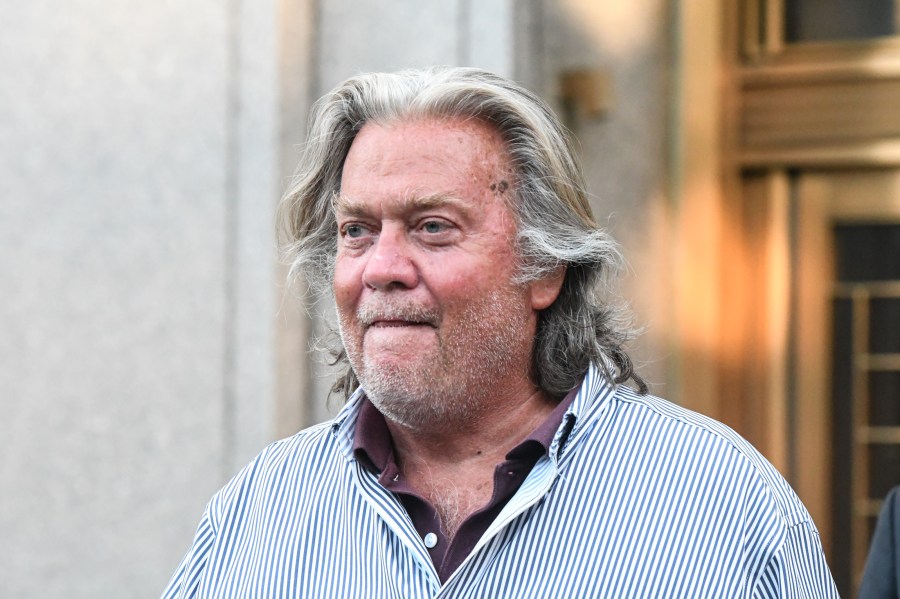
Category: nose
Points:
column 390, row 265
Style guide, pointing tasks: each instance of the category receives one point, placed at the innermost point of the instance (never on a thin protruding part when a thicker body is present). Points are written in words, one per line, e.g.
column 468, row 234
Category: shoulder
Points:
column 879, row 578
column 310, row 448
column 705, row 445
column 282, row 468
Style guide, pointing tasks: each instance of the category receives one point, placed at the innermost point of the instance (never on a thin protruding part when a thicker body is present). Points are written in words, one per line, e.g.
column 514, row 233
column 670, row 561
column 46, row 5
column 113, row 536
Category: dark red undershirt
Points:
column 373, row 447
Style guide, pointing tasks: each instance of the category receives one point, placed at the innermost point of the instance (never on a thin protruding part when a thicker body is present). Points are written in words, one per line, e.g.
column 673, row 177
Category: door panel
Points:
column 847, row 400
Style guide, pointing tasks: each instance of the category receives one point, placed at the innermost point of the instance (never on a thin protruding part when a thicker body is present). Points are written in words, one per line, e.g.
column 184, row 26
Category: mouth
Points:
column 388, row 316
column 394, row 323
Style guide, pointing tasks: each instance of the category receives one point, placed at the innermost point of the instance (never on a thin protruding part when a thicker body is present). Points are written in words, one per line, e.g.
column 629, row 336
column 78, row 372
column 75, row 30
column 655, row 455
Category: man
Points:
column 490, row 445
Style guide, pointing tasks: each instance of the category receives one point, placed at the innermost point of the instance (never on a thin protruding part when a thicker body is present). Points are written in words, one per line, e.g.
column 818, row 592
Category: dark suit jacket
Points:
column 881, row 578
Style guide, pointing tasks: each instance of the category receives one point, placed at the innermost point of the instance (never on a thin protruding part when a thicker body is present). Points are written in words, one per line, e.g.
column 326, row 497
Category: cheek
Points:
column 346, row 286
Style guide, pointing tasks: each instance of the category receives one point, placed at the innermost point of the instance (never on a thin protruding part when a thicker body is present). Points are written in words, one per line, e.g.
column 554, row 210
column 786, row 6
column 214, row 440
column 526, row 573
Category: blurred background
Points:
column 745, row 153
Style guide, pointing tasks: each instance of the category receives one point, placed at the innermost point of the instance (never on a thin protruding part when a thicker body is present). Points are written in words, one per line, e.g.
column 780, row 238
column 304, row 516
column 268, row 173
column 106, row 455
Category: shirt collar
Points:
column 591, row 396
column 372, row 444
column 373, row 448
column 343, row 427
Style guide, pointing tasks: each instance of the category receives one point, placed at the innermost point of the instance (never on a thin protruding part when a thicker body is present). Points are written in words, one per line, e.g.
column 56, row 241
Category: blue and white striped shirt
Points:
column 637, row 498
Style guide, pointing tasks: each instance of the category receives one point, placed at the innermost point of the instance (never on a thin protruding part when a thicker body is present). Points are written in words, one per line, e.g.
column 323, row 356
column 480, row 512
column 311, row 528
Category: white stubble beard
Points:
column 452, row 388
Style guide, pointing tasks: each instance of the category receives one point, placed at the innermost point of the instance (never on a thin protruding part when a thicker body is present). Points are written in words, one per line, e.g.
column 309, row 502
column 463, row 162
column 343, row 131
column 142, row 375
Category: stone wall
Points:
column 147, row 349
column 137, row 186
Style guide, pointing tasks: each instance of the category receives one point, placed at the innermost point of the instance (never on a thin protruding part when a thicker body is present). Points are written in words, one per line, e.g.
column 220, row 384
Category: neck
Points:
column 453, row 465
column 486, row 437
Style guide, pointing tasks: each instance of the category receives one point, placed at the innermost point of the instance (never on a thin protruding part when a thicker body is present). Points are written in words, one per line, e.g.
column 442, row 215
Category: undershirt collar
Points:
column 374, row 449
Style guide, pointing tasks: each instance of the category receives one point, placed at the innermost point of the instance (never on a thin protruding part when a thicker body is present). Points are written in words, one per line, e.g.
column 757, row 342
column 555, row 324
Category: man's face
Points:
column 429, row 314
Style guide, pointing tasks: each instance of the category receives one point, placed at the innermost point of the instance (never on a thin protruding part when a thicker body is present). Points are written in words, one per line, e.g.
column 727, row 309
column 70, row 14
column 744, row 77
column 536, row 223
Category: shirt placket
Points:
column 394, row 515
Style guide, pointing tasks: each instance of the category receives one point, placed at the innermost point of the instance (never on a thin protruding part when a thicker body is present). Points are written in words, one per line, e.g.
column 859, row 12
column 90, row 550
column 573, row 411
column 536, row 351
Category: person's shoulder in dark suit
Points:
column 881, row 578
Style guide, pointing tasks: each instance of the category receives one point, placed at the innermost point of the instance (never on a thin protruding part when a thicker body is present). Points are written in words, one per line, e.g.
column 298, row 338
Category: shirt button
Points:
column 430, row 540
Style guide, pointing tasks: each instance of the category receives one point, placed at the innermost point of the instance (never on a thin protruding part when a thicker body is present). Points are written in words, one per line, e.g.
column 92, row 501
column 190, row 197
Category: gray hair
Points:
column 555, row 224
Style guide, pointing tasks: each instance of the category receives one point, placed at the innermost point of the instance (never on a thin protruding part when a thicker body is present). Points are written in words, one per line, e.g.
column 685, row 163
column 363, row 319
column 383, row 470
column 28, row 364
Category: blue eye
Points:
column 354, row 230
column 433, row 226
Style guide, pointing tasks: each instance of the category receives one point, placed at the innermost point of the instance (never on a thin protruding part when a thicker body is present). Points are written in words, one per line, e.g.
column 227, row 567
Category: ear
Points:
column 545, row 291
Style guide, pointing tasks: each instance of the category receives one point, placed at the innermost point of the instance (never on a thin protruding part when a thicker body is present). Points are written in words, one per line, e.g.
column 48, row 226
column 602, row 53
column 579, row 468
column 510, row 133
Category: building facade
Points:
column 745, row 154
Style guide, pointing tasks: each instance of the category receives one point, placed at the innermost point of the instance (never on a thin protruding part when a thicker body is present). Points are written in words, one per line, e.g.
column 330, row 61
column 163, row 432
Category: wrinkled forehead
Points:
column 426, row 162
column 353, row 206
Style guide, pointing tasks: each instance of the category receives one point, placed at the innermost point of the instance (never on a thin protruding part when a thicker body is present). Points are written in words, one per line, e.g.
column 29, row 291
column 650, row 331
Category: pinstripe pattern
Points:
column 642, row 499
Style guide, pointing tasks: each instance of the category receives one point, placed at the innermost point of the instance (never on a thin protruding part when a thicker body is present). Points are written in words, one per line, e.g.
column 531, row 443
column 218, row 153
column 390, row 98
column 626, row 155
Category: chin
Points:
column 416, row 399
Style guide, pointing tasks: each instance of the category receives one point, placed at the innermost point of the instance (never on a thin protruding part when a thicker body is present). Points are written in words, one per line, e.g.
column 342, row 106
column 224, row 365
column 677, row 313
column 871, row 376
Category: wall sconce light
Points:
column 585, row 93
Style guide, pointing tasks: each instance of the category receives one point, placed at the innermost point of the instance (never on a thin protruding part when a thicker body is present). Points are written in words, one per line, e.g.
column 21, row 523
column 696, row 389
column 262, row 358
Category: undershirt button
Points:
column 430, row 540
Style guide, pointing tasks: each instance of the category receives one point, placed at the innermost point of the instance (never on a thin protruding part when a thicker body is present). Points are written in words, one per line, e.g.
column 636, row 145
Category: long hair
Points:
column 555, row 224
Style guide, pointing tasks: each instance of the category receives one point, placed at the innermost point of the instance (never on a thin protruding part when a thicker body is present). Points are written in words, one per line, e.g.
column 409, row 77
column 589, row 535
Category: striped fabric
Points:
column 637, row 498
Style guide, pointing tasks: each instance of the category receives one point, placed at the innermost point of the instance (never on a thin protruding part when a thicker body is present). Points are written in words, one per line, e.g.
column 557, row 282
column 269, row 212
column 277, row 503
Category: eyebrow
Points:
column 353, row 207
